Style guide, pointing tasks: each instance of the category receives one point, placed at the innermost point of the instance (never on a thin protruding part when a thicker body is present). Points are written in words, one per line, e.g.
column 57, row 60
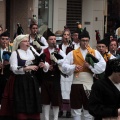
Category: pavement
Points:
column 51, row 116
column 62, row 118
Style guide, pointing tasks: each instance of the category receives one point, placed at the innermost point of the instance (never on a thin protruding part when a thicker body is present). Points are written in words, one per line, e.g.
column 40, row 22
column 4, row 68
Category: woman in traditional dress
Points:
column 66, row 46
column 21, row 97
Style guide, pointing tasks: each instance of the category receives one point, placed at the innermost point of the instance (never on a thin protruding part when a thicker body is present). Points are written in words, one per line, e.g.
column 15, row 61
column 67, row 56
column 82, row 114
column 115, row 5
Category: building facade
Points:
column 93, row 15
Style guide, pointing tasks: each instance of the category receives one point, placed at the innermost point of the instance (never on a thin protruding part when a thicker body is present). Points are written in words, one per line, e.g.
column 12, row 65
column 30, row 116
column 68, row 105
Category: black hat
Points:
column 113, row 65
column 6, row 34
column 83, row 34
column 49, row 33
column 76, row 31
column 103, row 41
column 78, row 22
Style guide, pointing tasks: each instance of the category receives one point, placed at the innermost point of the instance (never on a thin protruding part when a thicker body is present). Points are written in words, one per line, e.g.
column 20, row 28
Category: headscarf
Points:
column 17, row 41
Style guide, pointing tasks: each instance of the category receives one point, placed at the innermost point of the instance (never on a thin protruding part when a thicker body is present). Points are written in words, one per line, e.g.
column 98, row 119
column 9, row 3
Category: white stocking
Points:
column 87, row 115
column 55, row 112
column 46, row 109
column 76, row 113
column 76, row 118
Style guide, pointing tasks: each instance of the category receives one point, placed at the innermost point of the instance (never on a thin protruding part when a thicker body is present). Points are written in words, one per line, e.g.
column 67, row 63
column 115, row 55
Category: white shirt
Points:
column 24, row 55
column 112, row 57
column 68, row 67
column 64, row 47
column 76, row 45
column 59, row 62
column 2, row 52
column 42, row 40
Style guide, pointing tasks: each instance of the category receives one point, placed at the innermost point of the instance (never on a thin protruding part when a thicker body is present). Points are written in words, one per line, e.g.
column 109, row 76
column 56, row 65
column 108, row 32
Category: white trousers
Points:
column 77, row 113
column 46, row 111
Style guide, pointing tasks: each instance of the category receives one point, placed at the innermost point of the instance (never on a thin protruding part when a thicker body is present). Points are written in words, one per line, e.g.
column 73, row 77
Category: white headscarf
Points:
column 17, row 41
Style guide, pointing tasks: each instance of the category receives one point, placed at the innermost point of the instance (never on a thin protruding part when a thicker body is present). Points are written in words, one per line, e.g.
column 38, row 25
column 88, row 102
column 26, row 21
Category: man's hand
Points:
column 51, row 67
column 78, row 68
column 6, row 62
column 42, row 65
column 86, row 64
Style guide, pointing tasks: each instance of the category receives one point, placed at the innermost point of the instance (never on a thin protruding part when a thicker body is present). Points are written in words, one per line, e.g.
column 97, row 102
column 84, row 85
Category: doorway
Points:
column 113, row 18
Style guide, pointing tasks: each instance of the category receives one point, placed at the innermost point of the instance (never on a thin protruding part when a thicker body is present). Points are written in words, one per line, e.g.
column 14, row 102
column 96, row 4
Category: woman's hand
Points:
column 42, row 65
column 32, row 67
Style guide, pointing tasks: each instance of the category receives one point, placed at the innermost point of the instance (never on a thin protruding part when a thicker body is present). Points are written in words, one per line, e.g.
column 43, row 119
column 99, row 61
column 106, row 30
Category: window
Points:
column 74, row 13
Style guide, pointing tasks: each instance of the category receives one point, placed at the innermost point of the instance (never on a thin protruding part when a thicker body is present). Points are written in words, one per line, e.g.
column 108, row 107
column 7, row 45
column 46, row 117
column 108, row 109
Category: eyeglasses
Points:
column 84, row 40
column 4, row 38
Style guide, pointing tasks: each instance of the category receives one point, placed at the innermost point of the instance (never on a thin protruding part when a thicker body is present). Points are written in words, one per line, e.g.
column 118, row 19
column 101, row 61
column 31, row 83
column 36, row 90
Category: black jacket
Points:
column 104, row 99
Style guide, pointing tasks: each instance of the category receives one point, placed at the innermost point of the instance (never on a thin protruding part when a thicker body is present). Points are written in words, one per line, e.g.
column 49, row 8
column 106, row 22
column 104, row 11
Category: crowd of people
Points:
column 38, row 74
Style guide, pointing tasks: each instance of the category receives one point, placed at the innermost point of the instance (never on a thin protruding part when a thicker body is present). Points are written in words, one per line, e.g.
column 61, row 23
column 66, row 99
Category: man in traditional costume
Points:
column 50, row 88
column 76, row 63
column 37, row 40
column 102, row 48
column 66, row 46
column 21, row 99
column 113, row 45
column 75, row 39
column 5, row 52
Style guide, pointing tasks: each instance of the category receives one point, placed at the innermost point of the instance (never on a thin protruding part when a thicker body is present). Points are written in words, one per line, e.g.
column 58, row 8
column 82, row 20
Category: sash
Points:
column 106, row 56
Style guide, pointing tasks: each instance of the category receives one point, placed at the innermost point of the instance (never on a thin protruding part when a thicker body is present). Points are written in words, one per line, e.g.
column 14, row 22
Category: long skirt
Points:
column 21, row 96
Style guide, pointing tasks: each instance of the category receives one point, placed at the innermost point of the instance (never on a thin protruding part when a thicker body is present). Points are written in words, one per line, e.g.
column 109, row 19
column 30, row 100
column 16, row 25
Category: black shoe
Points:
column 68, row 114
column 60, row 114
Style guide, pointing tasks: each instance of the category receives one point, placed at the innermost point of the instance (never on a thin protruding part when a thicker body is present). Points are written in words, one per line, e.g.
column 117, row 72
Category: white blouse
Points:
column 42, row 40
column 24, row 55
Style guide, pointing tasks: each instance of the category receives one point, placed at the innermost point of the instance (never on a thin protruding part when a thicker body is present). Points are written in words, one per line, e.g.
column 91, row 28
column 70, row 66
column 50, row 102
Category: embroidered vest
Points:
column 79, row 60
column 47, row 53
column 20, row 61
column 55, row 73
